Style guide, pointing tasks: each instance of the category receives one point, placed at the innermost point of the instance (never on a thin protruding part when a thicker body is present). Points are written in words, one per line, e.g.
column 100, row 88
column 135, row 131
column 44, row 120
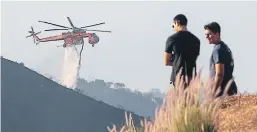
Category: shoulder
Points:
column 172, row 39
column 217, row 47
column 221, row 47
column 195, row 37
column 219, row 50
column 173, row 36
column 191, row 37
column 176, row 37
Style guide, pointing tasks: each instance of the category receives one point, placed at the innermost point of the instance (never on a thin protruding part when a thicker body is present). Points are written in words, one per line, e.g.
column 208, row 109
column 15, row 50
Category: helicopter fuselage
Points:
column 76, row 37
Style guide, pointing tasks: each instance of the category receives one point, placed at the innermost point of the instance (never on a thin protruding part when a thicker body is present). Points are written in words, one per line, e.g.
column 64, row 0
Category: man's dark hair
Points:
column 181, row 18
column 213, row 26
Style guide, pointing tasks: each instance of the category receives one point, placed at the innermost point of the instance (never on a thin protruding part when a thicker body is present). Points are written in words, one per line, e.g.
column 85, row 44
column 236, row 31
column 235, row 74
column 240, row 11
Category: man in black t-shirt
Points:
column 221, row 61
column 182, row 49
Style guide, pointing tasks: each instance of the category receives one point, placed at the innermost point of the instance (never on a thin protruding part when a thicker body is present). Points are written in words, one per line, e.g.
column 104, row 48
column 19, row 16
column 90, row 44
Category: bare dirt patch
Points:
column 238, row 114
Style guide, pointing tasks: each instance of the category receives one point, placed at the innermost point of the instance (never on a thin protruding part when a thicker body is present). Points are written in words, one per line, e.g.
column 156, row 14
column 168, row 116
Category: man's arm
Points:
column 219, row 68
column 168, row 51
column 167, row 57
column 219, row 60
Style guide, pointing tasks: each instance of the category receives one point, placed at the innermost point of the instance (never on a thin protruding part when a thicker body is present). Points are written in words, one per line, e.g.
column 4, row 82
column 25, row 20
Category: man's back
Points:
column 186, row 48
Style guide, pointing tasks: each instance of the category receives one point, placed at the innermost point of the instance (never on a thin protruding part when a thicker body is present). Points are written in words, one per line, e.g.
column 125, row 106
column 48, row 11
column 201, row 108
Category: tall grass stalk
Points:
column 190, row 109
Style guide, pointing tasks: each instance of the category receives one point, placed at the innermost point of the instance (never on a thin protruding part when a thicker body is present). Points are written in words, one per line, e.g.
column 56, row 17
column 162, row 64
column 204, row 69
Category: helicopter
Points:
column 71, row 38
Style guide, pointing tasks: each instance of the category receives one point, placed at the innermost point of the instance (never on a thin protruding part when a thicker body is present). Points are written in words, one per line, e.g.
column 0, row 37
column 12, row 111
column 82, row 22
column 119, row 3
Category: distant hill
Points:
column 143, row 104
column 118, row 95
column 34, row 103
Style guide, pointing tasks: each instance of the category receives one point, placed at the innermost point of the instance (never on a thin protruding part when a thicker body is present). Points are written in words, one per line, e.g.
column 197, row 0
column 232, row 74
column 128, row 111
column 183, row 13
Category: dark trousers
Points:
column 231, row 91
column 184, row 81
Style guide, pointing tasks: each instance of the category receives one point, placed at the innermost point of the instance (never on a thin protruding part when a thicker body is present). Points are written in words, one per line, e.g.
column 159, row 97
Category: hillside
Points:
column 141, row 103
column 118, row 95
column 239, row 112
column 34, row 103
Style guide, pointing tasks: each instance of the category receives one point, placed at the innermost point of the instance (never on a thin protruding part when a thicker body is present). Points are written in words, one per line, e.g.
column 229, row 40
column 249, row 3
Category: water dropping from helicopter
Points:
column 73, row 46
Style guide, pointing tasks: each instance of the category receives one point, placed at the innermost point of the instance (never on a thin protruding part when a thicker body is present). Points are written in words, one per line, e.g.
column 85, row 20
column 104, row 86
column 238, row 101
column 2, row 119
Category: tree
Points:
column 22, row 63
column 119, row 85
column 109, row 84
column 100, row 82
column 79, row 90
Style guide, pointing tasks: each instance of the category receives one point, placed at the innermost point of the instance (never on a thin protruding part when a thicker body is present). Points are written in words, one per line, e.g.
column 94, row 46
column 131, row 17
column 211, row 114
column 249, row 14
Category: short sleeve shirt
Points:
column 222, row 54
column 185, row 48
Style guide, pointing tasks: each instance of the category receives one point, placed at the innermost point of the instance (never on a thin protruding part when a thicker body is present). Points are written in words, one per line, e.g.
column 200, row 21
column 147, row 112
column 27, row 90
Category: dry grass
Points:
column 191, row 110
column 239, row 113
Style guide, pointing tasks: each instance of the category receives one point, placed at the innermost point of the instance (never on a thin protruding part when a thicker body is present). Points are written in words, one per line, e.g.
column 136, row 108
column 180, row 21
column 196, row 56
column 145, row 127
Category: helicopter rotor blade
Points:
column 70, row 22
column 97, row 30
column 55, row 29
column 29, row 36
column 55, row 24
column 93, row 25
column 37, row 33
column 32, row 30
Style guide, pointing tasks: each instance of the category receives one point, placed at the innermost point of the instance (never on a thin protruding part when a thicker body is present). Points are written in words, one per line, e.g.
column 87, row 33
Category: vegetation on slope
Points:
column 118, row 95
column 196, row 110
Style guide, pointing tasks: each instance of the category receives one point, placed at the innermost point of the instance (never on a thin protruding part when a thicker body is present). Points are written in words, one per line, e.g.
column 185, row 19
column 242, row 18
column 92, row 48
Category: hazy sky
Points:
column 133, row 52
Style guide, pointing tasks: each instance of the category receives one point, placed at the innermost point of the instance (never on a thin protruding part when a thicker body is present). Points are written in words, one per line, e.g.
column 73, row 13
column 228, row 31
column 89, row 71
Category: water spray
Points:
column 71, row 65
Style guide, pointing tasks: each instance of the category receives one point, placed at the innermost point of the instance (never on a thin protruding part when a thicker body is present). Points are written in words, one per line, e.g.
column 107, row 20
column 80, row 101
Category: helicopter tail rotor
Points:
column 33, row 34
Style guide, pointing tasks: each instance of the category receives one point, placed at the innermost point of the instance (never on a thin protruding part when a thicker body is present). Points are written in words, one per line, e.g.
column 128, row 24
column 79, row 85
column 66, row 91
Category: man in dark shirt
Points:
column 221, row 61
column 182, row 49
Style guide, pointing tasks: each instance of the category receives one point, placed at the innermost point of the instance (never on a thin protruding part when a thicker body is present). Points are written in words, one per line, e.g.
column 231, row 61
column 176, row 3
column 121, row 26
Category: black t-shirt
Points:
column 222, row 54
column 184, row 47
